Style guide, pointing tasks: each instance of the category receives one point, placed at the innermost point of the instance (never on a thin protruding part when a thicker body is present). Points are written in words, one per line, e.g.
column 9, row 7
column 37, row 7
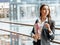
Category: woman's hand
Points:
column 48, row 27
column 36, row 36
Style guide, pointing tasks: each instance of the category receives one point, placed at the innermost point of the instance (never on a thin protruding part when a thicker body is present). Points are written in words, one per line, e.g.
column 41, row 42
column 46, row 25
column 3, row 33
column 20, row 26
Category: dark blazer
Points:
column 44, row 39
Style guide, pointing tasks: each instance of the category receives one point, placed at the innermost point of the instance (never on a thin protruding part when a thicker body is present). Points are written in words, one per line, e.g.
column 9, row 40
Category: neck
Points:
column 43, row 18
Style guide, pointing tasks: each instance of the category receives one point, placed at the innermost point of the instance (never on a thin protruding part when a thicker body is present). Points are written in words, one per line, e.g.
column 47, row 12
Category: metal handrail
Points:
column 21, row 24
column 14, row 32
column 16, row 23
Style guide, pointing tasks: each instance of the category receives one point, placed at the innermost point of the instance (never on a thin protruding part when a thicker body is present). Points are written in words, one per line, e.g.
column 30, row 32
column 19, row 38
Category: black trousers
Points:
column 37, row 43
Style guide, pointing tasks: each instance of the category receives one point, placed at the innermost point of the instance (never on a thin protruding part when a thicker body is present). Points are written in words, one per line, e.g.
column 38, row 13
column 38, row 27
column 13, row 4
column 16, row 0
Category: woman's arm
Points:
column 51, row 29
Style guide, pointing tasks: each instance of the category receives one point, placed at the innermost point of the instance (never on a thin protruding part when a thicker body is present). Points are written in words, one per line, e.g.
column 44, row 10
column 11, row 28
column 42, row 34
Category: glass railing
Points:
column 15, row 38
column 9, row 37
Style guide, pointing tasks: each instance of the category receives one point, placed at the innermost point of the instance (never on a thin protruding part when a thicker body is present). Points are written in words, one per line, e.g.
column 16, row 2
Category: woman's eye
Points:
column 44, row 9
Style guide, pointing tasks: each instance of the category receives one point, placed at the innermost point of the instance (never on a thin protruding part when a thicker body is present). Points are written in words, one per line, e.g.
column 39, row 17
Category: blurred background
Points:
column 16, row 14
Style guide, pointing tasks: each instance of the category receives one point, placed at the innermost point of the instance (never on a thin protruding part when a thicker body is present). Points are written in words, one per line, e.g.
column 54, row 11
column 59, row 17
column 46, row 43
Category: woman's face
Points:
column 45, row 11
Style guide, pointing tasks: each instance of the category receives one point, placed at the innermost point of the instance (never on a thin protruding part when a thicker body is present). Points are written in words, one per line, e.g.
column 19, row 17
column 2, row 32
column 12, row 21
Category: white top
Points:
column 40, row 27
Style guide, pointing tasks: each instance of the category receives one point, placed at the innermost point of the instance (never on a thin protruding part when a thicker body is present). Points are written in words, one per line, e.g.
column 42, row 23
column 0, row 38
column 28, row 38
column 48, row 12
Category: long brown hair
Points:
column 48, row 16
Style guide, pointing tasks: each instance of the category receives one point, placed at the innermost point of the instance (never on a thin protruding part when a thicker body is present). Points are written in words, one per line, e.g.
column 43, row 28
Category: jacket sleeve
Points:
column 52, row 26
column 33, row 31
column 46, row 34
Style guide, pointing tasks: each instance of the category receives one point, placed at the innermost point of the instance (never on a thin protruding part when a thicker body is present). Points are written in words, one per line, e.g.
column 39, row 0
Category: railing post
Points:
column 14, row 39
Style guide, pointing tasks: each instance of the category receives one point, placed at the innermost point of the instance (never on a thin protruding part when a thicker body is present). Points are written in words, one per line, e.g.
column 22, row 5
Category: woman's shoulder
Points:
column 36, row 21
column 52, row 21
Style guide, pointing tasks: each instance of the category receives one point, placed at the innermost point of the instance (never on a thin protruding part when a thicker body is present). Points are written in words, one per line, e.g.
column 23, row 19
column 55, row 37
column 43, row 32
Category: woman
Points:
column 42, row 25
